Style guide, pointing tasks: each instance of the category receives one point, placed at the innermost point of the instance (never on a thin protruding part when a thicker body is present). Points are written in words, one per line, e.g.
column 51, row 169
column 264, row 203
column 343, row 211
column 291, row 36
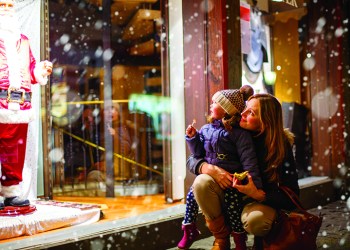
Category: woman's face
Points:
column 250, row 116
column 112, row 113
column 216, row 111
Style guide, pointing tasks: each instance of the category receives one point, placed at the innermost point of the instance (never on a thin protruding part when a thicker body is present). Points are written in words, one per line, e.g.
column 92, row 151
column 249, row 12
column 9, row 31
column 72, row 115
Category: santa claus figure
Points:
column 18, row 71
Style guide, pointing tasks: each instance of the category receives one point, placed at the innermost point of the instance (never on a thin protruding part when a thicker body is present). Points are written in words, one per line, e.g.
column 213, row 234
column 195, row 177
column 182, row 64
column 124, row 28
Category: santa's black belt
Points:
column 18, row 96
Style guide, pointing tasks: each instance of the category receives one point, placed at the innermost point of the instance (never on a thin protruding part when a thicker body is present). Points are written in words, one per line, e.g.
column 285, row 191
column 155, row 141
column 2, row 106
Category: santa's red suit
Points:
column 18, row 71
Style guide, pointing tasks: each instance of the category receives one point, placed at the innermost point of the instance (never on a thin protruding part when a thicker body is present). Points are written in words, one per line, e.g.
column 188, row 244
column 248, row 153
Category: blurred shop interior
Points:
column 137, row 109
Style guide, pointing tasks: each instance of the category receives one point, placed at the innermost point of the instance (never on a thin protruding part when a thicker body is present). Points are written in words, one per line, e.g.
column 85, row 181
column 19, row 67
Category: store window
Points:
column 87, row 111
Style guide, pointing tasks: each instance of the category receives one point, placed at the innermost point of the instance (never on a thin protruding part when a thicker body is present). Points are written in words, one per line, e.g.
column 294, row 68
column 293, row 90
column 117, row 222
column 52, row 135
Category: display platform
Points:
column 48, row 215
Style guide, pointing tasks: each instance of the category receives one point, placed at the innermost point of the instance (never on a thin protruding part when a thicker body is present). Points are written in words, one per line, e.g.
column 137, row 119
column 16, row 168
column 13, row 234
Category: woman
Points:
column 121, row 130
column 263, row 117
column 223, row 143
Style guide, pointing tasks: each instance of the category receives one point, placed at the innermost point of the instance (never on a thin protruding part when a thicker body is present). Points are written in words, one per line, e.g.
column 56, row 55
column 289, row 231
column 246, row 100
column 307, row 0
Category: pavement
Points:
column 334, row 233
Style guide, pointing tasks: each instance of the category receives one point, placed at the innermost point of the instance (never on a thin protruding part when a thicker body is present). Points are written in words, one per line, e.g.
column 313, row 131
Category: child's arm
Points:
column 194, row 141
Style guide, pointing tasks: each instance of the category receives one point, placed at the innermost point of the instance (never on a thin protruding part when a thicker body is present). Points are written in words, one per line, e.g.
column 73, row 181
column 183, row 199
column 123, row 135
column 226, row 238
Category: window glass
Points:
column 133, row 116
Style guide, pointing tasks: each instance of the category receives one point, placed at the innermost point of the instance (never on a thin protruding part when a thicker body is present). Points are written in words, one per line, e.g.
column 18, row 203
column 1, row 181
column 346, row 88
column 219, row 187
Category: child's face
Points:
column 216, row 111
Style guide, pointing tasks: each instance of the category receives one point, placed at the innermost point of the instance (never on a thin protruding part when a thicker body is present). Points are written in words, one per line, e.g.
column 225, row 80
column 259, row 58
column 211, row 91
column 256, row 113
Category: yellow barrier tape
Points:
column 103, row 149
column 95, row 102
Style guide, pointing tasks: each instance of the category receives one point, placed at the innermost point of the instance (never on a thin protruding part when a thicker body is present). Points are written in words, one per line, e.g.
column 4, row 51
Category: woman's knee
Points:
column 255, row 224
column 257, row 219
column 202, row 183
column 208, row 195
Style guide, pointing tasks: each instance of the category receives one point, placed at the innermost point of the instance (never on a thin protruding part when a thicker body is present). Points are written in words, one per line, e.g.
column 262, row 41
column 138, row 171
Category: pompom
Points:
column 247, row 91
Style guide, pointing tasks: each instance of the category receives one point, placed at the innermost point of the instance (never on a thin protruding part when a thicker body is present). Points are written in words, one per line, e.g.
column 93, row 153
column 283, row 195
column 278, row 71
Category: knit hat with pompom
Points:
column 233, row 100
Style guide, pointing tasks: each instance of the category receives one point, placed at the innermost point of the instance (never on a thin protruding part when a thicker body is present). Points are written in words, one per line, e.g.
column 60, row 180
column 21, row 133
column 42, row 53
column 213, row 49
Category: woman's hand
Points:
column 249, row 189
column 221, row 177
column 111, row 131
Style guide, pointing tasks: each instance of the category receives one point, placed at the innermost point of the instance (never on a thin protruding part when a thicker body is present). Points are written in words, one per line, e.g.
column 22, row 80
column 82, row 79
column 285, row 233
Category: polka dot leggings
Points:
column 233, row 203
column 191, row 208
column 234, row 207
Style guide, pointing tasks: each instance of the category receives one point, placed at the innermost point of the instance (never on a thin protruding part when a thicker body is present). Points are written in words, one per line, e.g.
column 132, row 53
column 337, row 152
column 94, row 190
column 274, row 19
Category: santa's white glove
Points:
column 42, row 70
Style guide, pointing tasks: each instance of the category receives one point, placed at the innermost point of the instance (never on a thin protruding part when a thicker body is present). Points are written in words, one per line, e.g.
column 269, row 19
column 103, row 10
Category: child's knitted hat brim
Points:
column 233, row 100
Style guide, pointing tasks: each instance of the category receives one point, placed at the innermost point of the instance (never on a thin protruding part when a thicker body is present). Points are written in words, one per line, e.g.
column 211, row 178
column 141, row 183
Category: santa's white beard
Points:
column 9, row 25
column 10, row 33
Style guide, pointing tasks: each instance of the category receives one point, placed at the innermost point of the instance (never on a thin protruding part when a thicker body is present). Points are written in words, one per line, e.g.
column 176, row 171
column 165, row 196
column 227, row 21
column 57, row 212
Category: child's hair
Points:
column 228, row 121
column 233, row 102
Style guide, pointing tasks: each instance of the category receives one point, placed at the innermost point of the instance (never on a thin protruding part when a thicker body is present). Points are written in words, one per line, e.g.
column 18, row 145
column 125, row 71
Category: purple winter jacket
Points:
column 233, row 151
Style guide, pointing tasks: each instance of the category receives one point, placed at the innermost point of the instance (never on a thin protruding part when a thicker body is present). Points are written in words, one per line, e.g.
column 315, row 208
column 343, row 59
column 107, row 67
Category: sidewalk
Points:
column 334, row 233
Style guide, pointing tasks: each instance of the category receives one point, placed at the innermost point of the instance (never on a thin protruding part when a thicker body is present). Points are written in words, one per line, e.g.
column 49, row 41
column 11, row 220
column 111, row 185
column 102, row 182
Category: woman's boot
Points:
column 220, row 232
column 240, row 240
column 190, row 235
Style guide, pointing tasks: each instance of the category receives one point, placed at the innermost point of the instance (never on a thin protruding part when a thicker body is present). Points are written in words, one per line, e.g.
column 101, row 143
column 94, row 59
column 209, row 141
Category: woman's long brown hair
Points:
column 270, row 111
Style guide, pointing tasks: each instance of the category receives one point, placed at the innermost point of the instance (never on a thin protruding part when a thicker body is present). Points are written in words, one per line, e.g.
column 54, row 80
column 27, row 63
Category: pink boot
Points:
column 240, row 240
column 190, row 235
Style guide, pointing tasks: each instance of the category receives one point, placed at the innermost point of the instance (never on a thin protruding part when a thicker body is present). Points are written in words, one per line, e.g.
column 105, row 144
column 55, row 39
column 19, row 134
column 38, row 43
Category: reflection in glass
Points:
column 138, row 117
